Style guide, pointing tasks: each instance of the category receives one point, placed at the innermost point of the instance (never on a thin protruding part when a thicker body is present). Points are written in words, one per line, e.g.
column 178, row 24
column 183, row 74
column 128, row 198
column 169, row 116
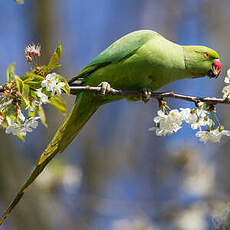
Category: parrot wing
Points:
column 122, row 48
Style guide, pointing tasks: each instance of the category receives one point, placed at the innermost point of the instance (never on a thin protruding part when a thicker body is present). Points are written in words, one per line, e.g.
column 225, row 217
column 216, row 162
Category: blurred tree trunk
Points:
column 13, row 171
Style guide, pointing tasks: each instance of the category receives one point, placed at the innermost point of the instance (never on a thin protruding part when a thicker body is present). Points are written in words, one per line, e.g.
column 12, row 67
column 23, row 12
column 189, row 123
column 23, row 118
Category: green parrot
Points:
column 140, row 60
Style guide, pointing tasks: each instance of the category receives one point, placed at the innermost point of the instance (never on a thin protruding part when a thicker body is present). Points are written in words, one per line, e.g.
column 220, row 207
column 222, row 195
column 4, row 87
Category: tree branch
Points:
column 156, row 95
column 76, row 88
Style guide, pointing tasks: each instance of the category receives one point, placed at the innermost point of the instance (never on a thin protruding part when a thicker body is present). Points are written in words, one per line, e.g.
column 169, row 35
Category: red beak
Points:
column 216, row 66
column 214, row 72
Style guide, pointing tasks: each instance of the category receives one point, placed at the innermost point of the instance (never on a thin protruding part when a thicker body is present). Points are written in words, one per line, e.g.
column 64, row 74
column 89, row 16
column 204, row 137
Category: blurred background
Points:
column 116, row 175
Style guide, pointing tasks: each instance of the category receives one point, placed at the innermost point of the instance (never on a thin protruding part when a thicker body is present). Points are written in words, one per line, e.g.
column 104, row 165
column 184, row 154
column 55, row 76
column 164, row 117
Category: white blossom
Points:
column 227, row 78
column 174, row 115
column 201, row 113
column 212, row 135
column 33, row 105
column 188, row 115
column 226, row 92
column 11, row 127
column 31, row 123
column 21, row 129
column 57, row 89
column 200, row 104
column 204, row 136
column 20, row 115
column 15, row 128
column 167, row 124
column 43, row 97
column 206, row 121
column 51, row 84
column 195, row 125
column 50, row 81
column 196, row 118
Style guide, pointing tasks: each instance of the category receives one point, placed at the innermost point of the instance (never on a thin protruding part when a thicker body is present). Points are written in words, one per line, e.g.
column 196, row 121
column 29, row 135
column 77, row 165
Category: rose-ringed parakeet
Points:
column 140, row 60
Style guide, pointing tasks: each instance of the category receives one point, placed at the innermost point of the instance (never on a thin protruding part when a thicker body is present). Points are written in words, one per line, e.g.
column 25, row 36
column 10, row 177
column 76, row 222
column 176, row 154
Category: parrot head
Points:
column 201, row 61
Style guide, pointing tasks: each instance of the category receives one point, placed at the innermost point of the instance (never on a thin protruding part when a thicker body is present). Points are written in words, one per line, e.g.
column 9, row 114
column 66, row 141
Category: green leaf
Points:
column 33, row 80
column 33, row 94
column 33, row 113
column 53, row 63
column 66, row 87
column 59, row 103
column 11, row 73
column 33, row 84
column 19, row 83
column 32, row 76
column 24, row 102
column 25, row 77
column 42, row 116
column 25, row 91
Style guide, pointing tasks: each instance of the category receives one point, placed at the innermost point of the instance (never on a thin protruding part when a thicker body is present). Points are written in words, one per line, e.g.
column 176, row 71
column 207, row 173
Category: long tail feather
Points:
column 80, row 114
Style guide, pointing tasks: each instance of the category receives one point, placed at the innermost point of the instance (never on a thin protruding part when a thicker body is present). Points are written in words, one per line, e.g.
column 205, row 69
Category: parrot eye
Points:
column 206, row 55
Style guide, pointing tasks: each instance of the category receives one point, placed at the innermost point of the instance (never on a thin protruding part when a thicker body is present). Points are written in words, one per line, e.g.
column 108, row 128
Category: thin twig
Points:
column 156, row 95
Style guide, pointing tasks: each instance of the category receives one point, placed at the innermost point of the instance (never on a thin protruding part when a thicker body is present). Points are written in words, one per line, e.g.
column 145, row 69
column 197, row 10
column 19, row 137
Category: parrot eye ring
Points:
column 206, row 55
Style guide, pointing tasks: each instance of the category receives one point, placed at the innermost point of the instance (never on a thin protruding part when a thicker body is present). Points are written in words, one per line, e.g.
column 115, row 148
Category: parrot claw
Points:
column 146, row 95
column 105, row 88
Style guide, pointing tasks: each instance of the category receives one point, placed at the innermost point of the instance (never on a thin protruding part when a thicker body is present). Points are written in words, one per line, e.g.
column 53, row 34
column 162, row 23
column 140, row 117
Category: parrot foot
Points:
column 105, row 88
column 146, row 95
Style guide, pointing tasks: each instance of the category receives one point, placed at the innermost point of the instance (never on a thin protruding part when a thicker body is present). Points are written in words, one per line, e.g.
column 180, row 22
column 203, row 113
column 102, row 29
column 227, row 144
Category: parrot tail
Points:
column 86, row 105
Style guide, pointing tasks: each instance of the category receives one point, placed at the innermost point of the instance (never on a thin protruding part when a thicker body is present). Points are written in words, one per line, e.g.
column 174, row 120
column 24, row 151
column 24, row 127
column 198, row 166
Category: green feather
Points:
column 121, row 49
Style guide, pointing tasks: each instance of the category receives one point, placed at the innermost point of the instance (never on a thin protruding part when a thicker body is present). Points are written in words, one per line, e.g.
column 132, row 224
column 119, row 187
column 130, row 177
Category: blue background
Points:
column 116, row 174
